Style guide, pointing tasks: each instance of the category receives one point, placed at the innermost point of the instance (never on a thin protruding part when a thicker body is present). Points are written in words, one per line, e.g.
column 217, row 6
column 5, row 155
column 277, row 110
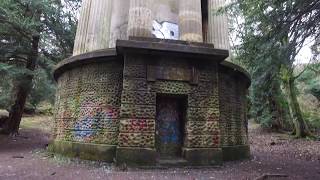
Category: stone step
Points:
column 172, row 162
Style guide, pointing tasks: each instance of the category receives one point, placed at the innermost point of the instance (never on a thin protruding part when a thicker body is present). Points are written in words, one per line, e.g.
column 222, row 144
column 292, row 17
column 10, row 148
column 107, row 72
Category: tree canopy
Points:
column 271, row 35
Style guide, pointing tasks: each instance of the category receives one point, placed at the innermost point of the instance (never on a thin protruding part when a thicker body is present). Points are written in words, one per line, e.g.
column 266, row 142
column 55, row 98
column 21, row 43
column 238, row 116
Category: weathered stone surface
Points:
column 119, row 21
column 136, row 156
column 136, row 139
column 233, row 119
column 172, row 87
column 94, row 26
column 203, row 156
column 84, row 150
column 202, row 141
column 190, row 20
column 202, row 127
column 113, row 101
column 203, row 114
column 138, row 111
column 217, row 25
column 232, row 153
column 137, row 125
column 140, row 18
column 138, row 98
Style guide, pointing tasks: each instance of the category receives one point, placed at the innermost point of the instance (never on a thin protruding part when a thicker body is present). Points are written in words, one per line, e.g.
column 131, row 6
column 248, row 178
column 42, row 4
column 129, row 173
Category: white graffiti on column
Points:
column 165, row 30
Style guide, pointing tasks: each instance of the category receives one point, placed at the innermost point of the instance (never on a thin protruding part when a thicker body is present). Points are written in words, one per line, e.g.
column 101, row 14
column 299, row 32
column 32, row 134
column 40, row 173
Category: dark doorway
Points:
column 170, row 123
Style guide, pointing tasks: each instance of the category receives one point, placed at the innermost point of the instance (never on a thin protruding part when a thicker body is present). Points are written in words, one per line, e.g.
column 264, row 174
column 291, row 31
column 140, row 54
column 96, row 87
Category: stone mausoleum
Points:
column 148, row 84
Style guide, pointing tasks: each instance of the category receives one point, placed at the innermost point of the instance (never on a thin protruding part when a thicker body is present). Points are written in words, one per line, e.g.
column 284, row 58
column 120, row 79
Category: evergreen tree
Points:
column 33, row 34
column 272, row 34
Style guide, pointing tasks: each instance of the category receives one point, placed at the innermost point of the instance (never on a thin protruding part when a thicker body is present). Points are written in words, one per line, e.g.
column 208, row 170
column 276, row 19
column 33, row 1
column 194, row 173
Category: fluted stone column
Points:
column 94, row 26
column 81, row 36
column 166, row 10
column 99, row 25
column 140, row 18
column 217, row 25
column 190, row 20
column 119, row 21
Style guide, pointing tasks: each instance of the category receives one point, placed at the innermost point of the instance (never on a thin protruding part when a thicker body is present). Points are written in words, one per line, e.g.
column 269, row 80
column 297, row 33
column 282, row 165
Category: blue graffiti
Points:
column 83, row 128
column 169, row 127
column 169, row 132
column 87, row 127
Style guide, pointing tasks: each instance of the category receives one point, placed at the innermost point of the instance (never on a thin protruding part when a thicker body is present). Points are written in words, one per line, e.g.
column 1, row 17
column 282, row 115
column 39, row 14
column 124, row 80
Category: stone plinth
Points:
column 106, row 103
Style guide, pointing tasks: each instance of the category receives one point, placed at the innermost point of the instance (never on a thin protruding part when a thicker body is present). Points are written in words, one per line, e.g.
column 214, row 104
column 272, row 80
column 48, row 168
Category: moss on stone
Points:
column 85, row 151
column 136, row 156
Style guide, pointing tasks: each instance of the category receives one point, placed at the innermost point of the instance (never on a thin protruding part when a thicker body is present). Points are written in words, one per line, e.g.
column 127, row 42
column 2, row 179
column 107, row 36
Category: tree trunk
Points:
column 300, row 127
column 277, row 110
column 22, row 90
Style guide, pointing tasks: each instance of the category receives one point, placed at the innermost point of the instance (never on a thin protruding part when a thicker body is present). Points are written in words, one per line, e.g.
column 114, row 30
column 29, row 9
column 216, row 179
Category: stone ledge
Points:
column 99, row 56
column 155, row 46
column 136, row 156
column 203, row 156
column 231, row 153
column 86, row 151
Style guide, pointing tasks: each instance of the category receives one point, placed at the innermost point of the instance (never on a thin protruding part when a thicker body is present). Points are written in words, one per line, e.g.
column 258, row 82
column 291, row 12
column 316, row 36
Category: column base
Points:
column 136, row 156
column 87, row 151
column 231, row 153
column 203, row 156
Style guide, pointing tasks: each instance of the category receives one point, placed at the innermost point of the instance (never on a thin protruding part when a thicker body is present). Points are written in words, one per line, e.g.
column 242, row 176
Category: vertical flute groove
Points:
column 93, row 30
column 190, row 20
column 140, row 18
column 217, row 25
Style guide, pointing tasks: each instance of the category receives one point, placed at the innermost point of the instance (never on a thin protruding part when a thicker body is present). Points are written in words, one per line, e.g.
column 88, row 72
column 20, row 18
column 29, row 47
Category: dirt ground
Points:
column 274, row 156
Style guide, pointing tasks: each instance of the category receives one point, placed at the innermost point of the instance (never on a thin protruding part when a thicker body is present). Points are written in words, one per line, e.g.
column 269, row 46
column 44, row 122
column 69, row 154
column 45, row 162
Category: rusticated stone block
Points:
column 89, row 136
column 138, row 111
column 202, row 141
column 110, row 125
column 138, row 97
column 202, row 128
column 107, row 112
column 92, row 99
column 203, row 100
column 203, row 114
column 100, row 88
column 136, row 140
column 100, row 77
column 137, row 125
column 205, row 88
column 172, row 87
column 137, row 71
column 136, row 84
column 102, row 137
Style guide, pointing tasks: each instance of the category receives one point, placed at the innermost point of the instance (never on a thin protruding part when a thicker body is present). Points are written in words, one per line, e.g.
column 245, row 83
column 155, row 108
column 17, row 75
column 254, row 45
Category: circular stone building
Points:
column 149, row 85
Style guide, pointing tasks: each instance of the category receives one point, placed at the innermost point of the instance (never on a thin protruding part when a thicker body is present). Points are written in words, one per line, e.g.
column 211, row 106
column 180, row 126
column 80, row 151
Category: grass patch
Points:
column 43, row 123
